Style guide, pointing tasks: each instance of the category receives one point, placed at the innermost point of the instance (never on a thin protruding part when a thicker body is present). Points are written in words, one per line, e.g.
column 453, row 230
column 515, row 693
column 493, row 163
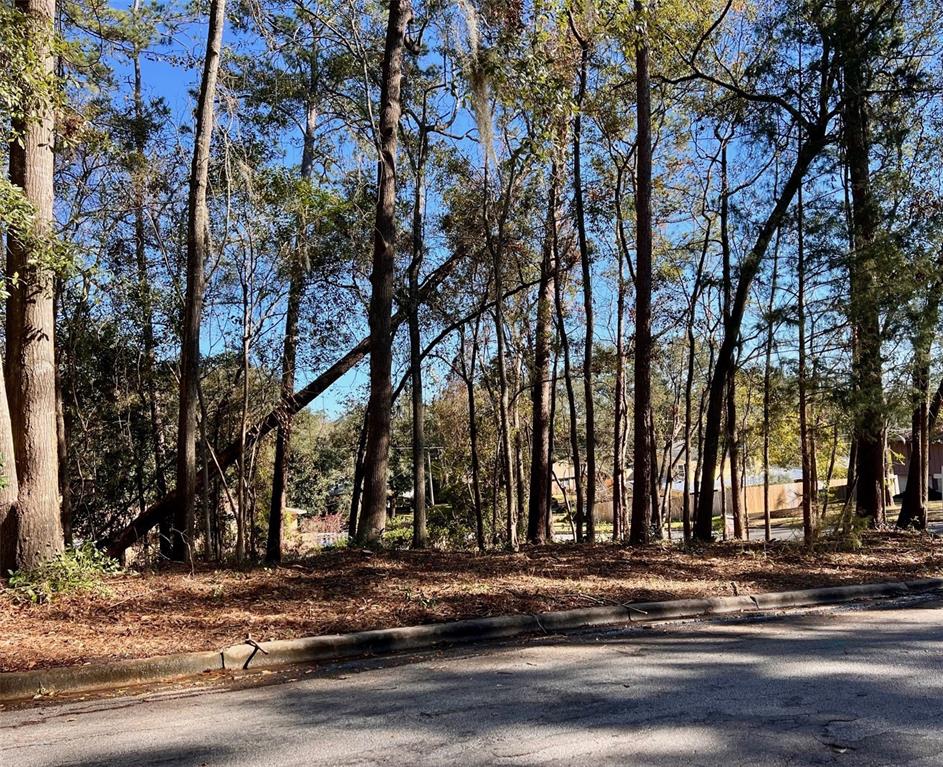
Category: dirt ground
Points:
column 173, row 610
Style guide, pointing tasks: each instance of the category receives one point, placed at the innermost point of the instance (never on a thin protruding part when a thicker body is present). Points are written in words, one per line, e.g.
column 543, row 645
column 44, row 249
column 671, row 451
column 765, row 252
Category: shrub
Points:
column 82, row 568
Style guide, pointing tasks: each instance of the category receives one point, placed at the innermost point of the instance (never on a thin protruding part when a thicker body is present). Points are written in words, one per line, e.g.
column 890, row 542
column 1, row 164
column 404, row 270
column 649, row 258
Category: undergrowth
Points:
column 82, row 568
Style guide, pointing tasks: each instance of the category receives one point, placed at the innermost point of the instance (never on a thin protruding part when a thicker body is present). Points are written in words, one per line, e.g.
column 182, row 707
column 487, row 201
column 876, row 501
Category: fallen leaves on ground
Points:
column 174, row 610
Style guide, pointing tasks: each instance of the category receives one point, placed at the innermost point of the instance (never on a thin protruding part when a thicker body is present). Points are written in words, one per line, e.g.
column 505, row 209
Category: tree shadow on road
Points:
column 853, row 688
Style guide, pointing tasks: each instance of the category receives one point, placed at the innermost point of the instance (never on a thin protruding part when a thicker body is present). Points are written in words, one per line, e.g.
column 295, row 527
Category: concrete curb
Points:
column 28, row 684
column 19, row 685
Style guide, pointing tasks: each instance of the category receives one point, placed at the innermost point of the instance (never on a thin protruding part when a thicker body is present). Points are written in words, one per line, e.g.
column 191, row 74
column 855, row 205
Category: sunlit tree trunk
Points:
column 30, row 322
column 197, row 252
column 376, row 457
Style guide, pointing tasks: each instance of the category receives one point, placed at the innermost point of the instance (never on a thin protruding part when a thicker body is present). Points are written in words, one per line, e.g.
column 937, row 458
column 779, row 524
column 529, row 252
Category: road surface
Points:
column 856, row 686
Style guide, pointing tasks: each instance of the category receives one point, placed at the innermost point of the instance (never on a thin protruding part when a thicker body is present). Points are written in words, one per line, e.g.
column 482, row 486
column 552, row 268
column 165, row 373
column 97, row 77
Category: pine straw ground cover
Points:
column 173, row 610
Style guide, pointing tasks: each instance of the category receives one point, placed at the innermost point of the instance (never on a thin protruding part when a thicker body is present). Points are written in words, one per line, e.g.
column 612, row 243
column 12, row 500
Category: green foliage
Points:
column 25, row 79
column 28, row 86
column 448, row 528
column 81, row 569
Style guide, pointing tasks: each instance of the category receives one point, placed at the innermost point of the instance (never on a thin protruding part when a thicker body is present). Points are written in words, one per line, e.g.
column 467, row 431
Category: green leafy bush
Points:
column 83, row 568
column 399, row 532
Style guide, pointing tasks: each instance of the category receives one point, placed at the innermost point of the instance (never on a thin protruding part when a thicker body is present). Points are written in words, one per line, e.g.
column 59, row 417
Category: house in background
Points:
column 899, row 447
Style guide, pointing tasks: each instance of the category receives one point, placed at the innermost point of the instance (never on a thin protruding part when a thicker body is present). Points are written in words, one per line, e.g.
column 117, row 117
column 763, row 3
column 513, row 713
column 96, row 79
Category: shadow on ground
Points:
column 857, row 687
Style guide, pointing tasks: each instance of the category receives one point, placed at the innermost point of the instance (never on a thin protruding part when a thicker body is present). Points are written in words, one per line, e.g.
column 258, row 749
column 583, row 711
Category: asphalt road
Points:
column 846, row 686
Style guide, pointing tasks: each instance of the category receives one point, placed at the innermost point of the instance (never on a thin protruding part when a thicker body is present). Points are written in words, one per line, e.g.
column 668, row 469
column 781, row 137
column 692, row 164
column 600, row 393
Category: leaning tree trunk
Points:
column 356, row 492
column 724, row 362
column 117, row 542
column 643, row 438
column 296, row 289
column 30, row 323
column 197, row 252
column 540, row 464
column 376, row 457
column 733, row 442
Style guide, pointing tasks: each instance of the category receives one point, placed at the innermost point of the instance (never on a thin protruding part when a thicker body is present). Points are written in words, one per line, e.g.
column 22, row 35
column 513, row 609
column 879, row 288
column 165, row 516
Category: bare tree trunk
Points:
column 668, row 463
column 296, row 289
column 30, row 323
column 540, row 464
column 723, row 494
column 520, row 487
column 468, row 374
column 243, row 521
column 420, row 535
column 357, row 490
column 376, row 462
column 62, row 448
column 197, row 252
column 830, row 472
column 733, row 448
column 504, row 416
column 808, row 530
column 643, row 439
column 588, row 393
column 767, row 393
column 552, row 434
column 701, row 416
column 570, row 393
column 913, row 508
column 686, row 520
column 657, row 523
column 618, row 437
